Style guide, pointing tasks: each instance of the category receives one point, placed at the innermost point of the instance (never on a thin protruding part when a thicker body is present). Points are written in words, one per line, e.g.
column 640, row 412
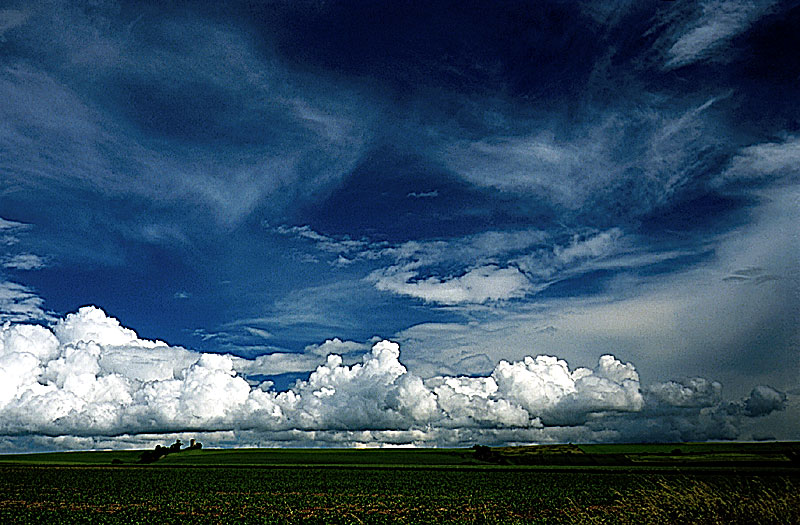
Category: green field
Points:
column 261, row 457
column 771, row 455
column 759, row 483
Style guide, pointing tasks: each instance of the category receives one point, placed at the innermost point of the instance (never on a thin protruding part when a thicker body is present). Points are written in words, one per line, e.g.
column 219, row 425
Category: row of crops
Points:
column 35, row 494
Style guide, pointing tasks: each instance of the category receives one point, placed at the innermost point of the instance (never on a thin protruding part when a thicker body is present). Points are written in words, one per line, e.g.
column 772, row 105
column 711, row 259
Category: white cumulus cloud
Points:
column 90, row 379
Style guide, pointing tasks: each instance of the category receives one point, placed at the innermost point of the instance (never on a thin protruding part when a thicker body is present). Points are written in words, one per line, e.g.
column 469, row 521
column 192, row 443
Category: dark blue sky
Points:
column 475, row 180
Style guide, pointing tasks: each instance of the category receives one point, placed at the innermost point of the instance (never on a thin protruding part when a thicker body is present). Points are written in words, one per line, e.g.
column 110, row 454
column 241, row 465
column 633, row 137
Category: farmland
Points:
column 757, row 483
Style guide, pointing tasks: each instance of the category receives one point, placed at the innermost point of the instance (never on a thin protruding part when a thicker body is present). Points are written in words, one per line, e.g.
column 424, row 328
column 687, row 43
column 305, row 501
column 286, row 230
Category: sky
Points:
column 305, row 223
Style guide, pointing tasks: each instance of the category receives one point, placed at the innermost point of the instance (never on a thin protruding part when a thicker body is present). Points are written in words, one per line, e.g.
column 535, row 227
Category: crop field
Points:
column 394, row 486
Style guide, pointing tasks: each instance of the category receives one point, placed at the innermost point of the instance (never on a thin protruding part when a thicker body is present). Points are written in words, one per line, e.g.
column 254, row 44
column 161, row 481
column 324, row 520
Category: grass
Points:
column 702, row 502
column 705, row 483
column 258, row 457
column 785, row 455
column 766, row 447
column 595, row 484
column 129, row 494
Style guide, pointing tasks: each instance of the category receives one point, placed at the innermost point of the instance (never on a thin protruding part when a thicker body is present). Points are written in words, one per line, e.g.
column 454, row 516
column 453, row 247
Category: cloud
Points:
column 732, row 314
column 596, row 246
column 90, row 377
column 718, row 22
column 478, row 285
column 258, row 332
column 10, row 229
column 161, row 128
column 130, row 115
column 470, row 250
column 18, row 303
column 580, row 254
column 491, row 266
column 766, row 162
column 423, row 194
column 24, row 261
column 545, row 386
column 693, row 393
column 537, row 163
column 275, row 363
column 750, row 275
column 409, row 260
column 6, row 225
column 337, row 346
column 9, row 19
column 635, row 157
column 764, row 400
column 342, row 246
column 482, row 246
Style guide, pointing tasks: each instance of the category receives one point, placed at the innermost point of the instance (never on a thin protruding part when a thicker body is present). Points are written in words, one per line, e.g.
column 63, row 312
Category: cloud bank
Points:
column 89, row 377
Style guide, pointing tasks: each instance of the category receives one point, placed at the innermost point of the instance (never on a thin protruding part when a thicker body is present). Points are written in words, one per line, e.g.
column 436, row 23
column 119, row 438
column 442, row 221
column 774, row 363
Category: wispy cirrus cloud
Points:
column 768, row 162
column 10, row 19
column 423, row 194
column 24, row 261
column 478, row 285
column 19, row 303
column 715, row 24
column 10, row 230
column 649, row 152
column 486, row 267
column 313, row 138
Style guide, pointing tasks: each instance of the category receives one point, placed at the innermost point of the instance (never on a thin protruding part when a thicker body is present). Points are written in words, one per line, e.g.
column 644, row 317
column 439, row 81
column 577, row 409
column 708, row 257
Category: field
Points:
column 755, row 483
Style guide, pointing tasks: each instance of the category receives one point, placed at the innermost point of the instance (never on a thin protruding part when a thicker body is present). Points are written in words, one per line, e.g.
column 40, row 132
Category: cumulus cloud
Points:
column 337, row 346
column 764, row 400
column 691, row 393
column 91, row 378
column 544, row 385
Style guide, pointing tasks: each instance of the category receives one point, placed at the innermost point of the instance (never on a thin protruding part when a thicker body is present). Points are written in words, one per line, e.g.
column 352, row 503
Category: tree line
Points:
column 149, row 456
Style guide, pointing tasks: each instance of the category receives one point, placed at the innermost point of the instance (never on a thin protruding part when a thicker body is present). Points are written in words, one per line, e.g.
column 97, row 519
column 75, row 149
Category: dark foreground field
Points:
column 753, row 485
